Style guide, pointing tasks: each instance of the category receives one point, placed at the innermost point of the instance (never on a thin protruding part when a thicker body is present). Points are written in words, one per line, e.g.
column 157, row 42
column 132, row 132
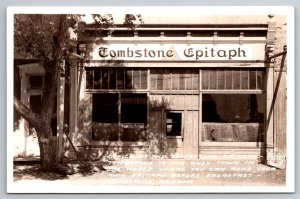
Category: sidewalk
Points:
column 164, row 172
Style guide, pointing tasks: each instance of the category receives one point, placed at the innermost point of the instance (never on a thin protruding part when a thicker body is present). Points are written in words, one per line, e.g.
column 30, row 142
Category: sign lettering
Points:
column 193, row 52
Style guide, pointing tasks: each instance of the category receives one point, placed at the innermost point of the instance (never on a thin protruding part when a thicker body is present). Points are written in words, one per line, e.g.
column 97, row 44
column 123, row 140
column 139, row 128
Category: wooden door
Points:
column 190, row 140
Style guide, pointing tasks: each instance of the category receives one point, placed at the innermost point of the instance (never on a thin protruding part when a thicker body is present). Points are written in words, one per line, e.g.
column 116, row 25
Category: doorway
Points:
column 174, row 134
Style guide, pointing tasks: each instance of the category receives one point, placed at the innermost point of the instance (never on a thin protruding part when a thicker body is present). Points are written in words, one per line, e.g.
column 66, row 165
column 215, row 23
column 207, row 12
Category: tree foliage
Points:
column 46, row 38
column 33, row 33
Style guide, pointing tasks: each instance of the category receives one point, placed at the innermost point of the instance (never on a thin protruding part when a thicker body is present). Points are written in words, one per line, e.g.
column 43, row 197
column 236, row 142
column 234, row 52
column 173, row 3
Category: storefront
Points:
column 170, row 90
column 174, row 91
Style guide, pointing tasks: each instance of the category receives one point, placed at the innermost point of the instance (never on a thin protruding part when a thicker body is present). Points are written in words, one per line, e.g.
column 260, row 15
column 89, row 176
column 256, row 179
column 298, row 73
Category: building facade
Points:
column 176, row 89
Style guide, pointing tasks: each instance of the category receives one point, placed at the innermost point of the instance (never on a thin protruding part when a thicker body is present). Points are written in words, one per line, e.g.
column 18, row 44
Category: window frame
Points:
column 109, row 70
column 119, row 142
column 204, row 144
column 200, row 91
column 181, row 125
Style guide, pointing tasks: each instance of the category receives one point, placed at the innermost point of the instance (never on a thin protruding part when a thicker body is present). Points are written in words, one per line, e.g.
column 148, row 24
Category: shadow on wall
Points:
column 160, row 145
column 101, row 136
column 104, row 130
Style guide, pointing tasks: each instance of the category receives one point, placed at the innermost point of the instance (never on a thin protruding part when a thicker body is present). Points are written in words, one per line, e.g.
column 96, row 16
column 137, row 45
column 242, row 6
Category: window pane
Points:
column 195, row 80
column 182, row 78
column 112, row 79
column 233, row 117
column 97, row 79
column 166, row 80
column 105, row 131
column 260, row 82
column 133, row 117
column 221, row 79
column 159, row 79
column 173, row 124
column 153, row 79
column 120, row 79
column 134, row 108
column 213, row 79
column 232, row 79
column 133, row 133
column 105, row 108
column 136, row 79
column 228, row 78
column 128, row 79
column 175, row 80
column 244, row 79
column 188, row 80
column 205, row 79
column 252, row 80
column 105, row 117
column 232, row 107
column 89, row 79
column 105, row 78
column 36, row 82
column 144, row 79
column 236, row 79
column 233, row 132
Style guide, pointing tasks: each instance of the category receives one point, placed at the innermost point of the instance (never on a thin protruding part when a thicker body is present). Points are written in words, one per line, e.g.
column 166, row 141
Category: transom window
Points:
column 116, row 79
column 174, row 79
column 232, row 79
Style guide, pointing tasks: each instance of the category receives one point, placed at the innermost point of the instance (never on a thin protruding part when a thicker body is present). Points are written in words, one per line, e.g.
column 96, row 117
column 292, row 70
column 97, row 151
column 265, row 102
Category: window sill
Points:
column 231, row 144
column 173, row 137
column 118, row 143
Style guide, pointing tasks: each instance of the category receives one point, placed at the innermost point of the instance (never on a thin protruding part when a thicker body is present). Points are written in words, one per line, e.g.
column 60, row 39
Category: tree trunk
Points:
column 47, row 142
column 42, row 121
column 48, row 150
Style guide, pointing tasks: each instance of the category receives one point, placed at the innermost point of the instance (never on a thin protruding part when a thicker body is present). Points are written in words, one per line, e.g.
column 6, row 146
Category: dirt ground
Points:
column 157, row 173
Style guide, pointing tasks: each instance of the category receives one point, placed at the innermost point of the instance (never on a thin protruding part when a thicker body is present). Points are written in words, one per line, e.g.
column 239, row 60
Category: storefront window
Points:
column 127, row 125
column 133, row 117
column 233, row 118
column 105, row 117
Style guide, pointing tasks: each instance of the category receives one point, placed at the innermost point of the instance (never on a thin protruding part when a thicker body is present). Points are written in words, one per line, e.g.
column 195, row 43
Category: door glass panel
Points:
column 173, row 124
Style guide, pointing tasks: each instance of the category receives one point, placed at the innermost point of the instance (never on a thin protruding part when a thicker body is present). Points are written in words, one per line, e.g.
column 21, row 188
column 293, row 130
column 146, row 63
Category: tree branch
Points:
column 33, row 118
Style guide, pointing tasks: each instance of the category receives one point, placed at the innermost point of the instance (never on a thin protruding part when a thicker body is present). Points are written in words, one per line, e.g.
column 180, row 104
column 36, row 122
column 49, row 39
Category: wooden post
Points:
column 23, row 123
column 73, row 102
column 60, row 112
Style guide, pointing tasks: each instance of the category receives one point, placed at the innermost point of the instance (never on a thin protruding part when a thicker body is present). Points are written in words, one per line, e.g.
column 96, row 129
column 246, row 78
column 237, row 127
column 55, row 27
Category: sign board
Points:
column 179, row 52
